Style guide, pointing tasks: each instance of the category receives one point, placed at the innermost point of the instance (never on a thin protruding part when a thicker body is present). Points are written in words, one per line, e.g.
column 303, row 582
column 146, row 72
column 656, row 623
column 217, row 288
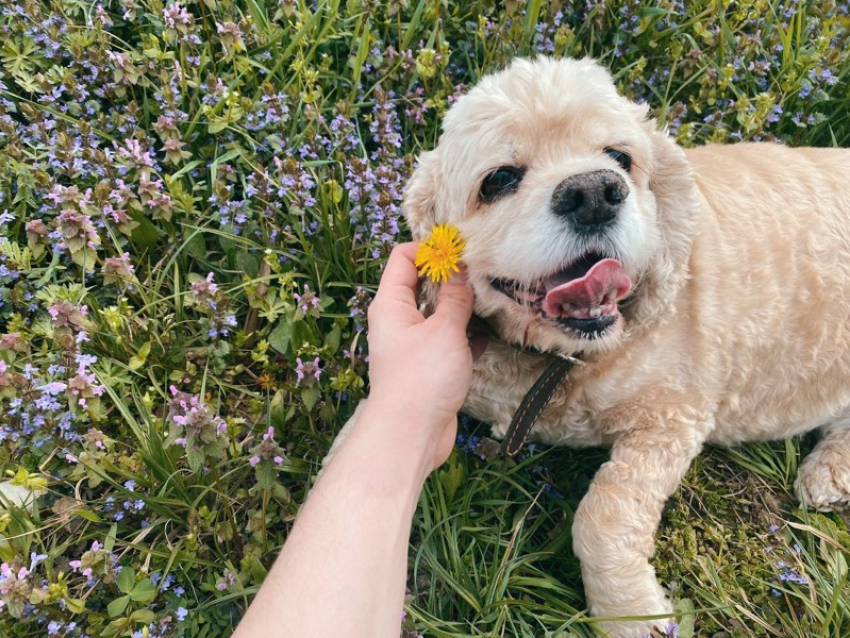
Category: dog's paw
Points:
column 653, row 603
column 637, row 629
column 823, row 481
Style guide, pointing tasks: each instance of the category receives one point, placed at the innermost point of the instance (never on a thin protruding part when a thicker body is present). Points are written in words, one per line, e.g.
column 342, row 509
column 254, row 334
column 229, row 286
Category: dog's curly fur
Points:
column 737, row 327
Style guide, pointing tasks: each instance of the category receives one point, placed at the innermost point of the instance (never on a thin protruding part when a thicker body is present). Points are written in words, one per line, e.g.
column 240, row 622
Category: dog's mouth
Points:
column 583, row 296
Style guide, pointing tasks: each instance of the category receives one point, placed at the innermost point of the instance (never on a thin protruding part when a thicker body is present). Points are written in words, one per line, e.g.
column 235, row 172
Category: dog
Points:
column 707, row 290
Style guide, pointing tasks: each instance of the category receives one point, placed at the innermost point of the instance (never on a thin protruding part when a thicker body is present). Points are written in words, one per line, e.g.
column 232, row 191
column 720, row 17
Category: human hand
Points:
column 420, row 368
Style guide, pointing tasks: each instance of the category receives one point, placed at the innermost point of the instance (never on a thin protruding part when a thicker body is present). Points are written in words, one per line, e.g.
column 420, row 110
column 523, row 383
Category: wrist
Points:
column 397, row 433
column 422, row 411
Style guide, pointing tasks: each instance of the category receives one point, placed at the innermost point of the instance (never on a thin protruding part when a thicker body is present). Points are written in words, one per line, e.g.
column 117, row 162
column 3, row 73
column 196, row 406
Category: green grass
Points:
column 492, row 549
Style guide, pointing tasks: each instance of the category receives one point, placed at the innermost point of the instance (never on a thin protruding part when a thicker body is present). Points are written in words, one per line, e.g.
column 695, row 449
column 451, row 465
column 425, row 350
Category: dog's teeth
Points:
column 596, row 311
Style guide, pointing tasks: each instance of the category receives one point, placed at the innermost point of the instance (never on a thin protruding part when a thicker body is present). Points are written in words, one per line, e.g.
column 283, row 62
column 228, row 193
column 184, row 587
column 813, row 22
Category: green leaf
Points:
column 88, row 515
column 145, row 616
column 109, row 542
column 7, row 553
column 195, row 458
column 18, row 56
column 15, row 608
column 266, row 474
column 144, row 591
column 685, row 607
column 277, row 414
column 451, row 476
column 145, row 235
column 227, row 244
column 301, row 333
column 248, row 263
column 280, row 337
column 85, row 259
column 217, row 124
column 115, row 628
column 140, row 358
column 258, row 572
column 117, row 606
column 196, row 246
column 126, row 580
column 309, row 396
column 332, row 339
column 75, row 605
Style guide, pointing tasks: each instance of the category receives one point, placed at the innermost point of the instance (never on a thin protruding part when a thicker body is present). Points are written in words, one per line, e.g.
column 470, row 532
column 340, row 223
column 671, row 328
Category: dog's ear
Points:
column 420, row 196
column 671, row 180
column 671, row 175
column 640, row 110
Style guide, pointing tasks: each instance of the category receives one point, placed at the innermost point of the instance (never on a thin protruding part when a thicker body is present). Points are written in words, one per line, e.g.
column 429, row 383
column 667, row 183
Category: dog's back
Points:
column 775, row 245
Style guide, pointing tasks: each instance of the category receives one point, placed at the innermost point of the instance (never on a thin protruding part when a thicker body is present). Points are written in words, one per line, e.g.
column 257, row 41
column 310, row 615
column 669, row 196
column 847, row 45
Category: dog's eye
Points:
column 622, row 158
column 503, row 180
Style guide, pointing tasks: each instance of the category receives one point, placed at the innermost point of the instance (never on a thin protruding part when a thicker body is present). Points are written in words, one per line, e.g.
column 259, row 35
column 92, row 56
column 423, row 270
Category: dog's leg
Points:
column 823, row 481
column 341, row 437
column 615, row 524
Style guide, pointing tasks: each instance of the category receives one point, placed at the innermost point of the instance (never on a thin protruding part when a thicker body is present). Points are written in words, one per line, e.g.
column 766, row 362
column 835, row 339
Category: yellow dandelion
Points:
column 438, row 256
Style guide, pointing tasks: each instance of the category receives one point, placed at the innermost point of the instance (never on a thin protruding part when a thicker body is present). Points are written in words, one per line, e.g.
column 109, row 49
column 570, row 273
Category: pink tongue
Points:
column 604, row 280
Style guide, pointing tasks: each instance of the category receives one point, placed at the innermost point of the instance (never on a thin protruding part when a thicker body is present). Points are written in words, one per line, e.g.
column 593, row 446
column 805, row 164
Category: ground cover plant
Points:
column 196, row 199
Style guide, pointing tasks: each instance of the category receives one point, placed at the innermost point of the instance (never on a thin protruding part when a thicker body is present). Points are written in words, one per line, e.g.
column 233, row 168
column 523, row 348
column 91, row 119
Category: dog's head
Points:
column 566, row 196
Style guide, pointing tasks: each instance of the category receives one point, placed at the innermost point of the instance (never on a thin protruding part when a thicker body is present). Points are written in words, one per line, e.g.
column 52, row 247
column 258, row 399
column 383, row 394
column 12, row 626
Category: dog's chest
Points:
column 500, row 382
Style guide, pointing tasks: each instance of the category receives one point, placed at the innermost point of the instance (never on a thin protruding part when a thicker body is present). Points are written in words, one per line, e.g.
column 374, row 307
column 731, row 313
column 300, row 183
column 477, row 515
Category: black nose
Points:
column 590, row 201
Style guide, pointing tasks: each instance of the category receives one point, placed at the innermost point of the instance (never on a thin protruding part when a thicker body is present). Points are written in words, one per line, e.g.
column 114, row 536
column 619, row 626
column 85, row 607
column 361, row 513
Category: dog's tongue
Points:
column 600, row 288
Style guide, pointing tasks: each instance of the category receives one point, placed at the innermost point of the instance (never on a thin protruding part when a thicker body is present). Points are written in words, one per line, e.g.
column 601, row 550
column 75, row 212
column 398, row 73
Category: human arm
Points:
column 344, row 566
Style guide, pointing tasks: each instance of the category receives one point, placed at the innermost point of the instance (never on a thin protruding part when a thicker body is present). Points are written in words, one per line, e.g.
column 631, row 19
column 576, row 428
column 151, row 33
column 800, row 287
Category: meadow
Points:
column 196, row 200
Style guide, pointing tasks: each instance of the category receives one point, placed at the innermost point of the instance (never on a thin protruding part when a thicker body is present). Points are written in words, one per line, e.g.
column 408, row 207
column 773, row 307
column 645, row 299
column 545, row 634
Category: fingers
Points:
column 454, row 300
column 400, row 277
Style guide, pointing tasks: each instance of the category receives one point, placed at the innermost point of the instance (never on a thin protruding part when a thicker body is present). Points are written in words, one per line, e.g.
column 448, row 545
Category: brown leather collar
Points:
column 537, row 398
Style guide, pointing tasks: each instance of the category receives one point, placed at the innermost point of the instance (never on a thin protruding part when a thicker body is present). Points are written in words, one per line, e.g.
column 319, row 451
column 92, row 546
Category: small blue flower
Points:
column 35, row 559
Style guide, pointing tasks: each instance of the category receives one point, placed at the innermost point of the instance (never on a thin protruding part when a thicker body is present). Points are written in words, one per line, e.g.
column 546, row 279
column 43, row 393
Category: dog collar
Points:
column 537, row 398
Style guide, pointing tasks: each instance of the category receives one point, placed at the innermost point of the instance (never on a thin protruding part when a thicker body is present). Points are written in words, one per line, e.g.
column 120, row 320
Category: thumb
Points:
column 454, row 300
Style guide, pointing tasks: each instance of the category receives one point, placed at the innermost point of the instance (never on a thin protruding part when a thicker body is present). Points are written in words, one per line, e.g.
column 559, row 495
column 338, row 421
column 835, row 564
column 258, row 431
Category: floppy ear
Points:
column 677, row 204
column 640, row 111
column 419, row 204
column 420, row 196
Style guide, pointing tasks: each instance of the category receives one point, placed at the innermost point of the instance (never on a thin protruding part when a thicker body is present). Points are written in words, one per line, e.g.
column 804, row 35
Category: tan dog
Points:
column 708, row 289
